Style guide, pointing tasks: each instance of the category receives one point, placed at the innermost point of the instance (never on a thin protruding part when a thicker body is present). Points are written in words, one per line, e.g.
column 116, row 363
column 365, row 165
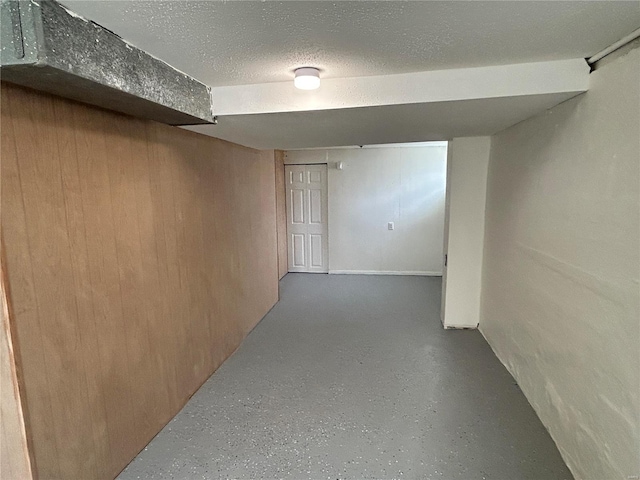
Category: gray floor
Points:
column 353, row 377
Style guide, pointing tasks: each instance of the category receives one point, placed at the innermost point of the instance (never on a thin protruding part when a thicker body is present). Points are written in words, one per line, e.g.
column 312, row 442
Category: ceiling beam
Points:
column 540, row 78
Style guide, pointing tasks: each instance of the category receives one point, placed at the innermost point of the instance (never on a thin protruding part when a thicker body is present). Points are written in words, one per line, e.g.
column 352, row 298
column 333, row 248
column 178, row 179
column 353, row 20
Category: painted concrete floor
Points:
column 353, row 377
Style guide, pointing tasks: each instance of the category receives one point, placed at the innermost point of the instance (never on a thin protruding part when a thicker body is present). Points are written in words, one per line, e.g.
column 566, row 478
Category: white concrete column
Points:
column 467, row 165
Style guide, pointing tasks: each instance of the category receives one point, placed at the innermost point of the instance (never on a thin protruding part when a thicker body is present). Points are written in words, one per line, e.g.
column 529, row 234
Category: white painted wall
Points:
column 560, row 299
column 466, row 193
column 377, row 185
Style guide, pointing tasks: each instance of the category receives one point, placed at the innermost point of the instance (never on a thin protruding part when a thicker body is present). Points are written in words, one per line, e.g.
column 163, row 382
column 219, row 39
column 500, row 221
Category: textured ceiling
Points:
column 226, row 43
column 238, row 42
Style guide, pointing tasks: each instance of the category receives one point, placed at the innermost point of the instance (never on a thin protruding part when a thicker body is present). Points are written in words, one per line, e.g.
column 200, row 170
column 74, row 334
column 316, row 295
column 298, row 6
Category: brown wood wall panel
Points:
column 15, row 462
column 281, row 215
column 138, row 257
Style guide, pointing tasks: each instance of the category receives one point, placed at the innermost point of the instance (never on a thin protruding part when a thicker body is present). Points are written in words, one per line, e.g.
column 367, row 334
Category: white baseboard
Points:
column 384, row 272
column 460, row 327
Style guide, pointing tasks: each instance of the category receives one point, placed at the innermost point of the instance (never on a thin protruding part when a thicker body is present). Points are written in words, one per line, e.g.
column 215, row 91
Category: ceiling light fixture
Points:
column 307, row 78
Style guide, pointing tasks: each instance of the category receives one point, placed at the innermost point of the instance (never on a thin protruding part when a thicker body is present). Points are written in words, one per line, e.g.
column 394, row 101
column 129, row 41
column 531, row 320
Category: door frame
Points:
column 325, row 220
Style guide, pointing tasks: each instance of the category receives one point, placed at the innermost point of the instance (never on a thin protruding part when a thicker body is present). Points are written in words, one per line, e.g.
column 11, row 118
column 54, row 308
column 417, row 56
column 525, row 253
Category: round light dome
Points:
column 307, row 78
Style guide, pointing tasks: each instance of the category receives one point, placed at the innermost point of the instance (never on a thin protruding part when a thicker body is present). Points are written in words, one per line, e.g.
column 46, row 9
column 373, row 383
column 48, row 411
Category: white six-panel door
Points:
column 306, row 194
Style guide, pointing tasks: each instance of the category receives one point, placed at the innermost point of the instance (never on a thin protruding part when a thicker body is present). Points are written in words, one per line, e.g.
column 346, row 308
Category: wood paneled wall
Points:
column 281, row 215
column 14, row 455
column 138, row 257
